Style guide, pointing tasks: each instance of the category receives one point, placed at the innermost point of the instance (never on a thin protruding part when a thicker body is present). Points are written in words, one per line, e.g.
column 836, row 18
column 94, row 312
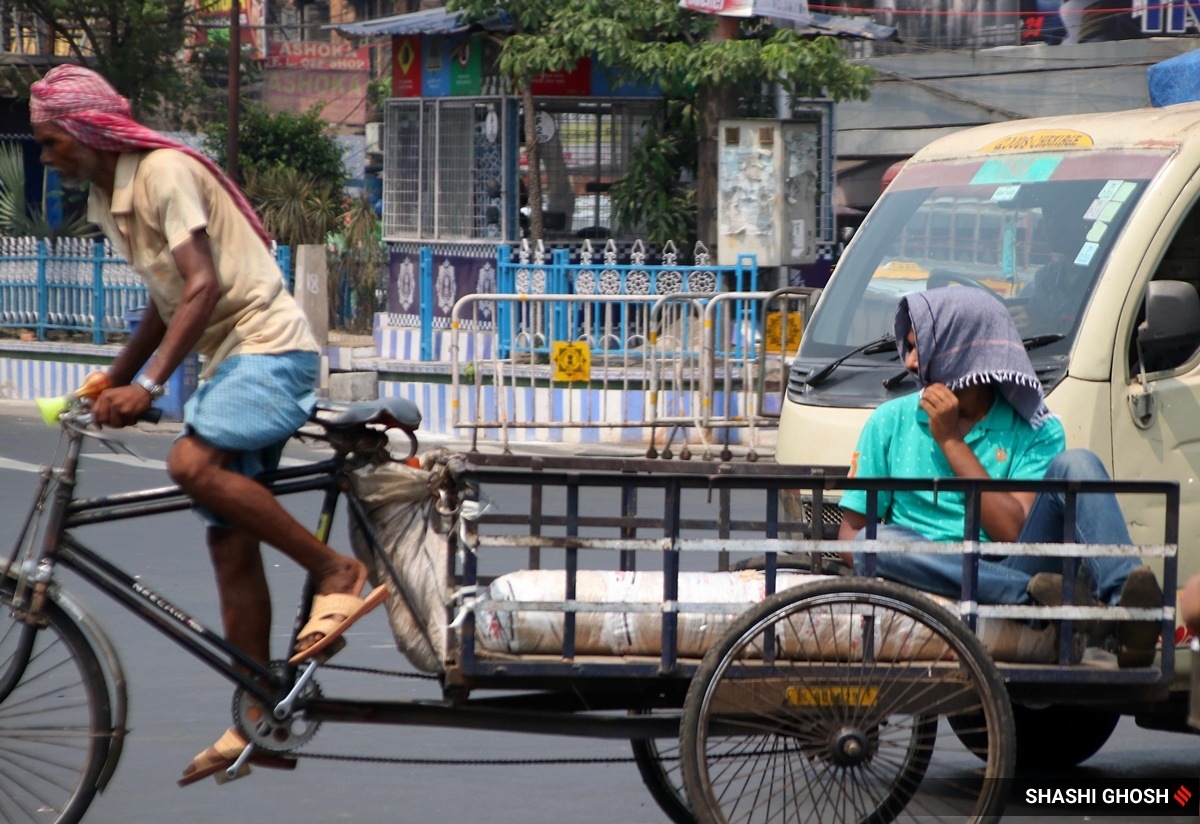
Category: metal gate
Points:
column 686, row 370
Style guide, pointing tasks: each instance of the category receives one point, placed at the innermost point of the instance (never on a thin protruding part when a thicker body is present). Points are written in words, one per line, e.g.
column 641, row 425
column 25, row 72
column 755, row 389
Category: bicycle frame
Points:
column 59, row 546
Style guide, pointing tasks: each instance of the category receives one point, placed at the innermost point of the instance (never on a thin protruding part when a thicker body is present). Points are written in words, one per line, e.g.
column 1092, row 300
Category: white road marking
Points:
column 19, row 466
column 124, row 460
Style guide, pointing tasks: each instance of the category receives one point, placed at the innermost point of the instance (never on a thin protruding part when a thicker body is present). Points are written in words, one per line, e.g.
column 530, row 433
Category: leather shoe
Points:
column 1137, row 640
column 1046, row 588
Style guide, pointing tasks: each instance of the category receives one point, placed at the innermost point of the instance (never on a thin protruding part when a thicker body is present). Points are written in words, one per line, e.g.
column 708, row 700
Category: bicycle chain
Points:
column 420, row 676
column 466, row 762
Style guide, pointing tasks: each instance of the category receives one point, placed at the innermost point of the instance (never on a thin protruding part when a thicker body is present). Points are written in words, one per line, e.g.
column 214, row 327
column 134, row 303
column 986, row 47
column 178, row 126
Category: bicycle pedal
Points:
column 225, row 776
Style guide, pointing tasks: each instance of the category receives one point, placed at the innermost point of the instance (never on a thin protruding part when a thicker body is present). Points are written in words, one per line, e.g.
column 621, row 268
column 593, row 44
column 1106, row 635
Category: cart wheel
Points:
column 1057, row 737
column 824, row 702
column 658, row 762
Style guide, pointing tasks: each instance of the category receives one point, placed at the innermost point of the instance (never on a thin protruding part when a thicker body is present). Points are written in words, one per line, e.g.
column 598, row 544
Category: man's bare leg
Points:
column 199, row 469
column 242, row 588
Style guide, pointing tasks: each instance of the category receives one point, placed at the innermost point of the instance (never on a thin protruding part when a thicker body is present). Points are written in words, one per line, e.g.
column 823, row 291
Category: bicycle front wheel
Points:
column 55, row 724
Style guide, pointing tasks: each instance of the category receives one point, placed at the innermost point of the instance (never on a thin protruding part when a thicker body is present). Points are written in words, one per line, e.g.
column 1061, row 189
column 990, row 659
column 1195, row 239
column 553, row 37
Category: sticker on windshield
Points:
column 1086, row 253
column 1124, row 191
column 1016, row 170
column 1006, row 194
column 1094, row 210
column 1110, row 189
column 1097, row 231
column 1109, row 211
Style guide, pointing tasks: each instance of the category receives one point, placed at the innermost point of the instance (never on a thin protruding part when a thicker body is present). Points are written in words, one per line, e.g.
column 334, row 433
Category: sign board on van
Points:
column 1040, row 140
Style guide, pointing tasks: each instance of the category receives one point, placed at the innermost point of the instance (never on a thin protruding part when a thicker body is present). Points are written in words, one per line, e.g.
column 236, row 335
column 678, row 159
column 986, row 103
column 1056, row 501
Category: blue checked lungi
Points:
column 251, row 406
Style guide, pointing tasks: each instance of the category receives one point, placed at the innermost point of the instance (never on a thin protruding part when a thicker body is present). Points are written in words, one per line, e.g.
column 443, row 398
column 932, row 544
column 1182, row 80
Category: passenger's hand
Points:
column 121, row 406
column 941, row 405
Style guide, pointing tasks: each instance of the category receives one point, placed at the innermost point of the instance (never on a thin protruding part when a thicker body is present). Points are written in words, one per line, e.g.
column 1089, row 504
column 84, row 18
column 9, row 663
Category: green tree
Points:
column 292, row 170
column 267, row 140
column 135, row 45
column 693, row 57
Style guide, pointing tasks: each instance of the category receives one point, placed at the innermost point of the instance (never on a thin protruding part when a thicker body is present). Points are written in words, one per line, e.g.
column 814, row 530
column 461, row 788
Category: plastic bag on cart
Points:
column 400, row 502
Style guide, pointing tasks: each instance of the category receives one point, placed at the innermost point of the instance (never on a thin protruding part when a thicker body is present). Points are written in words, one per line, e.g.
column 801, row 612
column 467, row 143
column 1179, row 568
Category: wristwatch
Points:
column 155, row 389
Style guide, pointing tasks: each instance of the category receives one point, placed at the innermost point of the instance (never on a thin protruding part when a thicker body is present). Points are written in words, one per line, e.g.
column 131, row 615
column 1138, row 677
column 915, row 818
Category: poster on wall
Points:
column 1098, row 21
column 452, row 66
column 406, row 66
column 466, row 61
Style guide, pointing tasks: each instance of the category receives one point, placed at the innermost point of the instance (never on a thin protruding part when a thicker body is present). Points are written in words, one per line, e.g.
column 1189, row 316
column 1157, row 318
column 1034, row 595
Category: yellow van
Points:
column 1088, row 228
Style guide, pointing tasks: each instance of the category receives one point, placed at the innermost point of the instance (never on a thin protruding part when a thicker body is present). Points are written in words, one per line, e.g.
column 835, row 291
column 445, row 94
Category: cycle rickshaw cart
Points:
column 591, row 608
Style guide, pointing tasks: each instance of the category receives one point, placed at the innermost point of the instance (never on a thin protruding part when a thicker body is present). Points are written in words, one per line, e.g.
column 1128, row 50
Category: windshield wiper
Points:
column 1038, row 341
column 1034, row 342
column 881, row 344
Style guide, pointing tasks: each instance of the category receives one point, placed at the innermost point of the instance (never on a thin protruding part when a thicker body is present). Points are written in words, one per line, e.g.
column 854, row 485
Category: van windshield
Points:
column 1032, row 229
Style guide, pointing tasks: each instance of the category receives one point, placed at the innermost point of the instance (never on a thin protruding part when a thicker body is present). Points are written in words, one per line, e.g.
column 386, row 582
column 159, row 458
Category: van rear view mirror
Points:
column 1172, row 315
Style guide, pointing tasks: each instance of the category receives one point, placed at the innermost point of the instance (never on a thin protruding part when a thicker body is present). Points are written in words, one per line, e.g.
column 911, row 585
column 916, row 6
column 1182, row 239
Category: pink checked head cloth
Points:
column 90, row 110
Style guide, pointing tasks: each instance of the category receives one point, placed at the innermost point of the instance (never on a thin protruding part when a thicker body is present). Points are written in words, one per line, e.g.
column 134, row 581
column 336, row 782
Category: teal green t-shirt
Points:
column 896, row 443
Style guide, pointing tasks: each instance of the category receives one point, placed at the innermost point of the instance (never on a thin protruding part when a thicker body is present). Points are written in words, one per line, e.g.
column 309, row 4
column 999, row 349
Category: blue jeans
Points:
column 1098, row 520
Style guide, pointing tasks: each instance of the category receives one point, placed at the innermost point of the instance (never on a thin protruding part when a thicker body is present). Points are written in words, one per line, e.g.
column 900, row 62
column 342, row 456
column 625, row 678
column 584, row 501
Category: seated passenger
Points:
column 981, row 414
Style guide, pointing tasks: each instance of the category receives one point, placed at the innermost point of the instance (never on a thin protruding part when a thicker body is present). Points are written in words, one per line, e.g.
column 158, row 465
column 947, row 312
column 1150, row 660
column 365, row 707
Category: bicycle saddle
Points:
column 391, row 412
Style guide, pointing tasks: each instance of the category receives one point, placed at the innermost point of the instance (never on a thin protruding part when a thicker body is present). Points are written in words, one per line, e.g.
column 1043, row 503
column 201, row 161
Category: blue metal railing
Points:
column 615, row 318
column 608, row 325
column 74, row 285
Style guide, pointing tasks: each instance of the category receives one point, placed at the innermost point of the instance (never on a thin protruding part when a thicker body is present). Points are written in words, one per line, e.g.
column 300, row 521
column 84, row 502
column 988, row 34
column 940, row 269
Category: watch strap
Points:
column 155, row 389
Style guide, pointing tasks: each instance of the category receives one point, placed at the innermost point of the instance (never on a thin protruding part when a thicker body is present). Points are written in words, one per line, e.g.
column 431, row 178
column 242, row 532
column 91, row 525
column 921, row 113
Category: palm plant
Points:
column 20, row 219
column 356, row 265
column 295, row 208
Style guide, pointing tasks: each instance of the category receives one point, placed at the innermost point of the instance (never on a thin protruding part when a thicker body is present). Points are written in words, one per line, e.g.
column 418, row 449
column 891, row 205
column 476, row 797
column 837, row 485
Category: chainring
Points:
column 267, row 732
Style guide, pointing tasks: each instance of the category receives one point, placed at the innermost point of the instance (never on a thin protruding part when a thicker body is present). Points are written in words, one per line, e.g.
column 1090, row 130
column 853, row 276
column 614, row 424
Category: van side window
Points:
column 1181, row 262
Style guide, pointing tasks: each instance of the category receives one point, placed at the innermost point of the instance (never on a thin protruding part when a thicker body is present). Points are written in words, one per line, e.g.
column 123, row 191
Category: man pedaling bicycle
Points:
column 215, row 288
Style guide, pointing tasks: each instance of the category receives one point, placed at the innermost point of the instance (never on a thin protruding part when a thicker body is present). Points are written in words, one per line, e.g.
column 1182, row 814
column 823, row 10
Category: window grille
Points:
column 452, row 166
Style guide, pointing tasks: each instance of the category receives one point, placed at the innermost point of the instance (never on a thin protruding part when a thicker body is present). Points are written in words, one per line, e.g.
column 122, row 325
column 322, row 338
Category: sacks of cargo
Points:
column 529, row 632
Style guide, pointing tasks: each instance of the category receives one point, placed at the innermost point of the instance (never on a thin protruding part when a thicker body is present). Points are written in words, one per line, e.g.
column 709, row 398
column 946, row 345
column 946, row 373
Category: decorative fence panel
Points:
column 73, row 285
column 611, row 326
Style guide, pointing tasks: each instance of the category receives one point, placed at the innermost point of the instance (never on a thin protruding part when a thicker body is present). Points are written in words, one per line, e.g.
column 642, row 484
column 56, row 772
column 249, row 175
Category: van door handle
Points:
column 1141, row 407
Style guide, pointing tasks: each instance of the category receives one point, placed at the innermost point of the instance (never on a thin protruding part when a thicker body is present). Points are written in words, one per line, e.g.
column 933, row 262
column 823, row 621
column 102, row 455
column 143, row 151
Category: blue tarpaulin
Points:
column 1176, row 80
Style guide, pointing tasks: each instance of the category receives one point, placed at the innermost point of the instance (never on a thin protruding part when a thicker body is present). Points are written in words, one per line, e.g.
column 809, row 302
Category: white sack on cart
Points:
column 400, row 503
column 640, row 633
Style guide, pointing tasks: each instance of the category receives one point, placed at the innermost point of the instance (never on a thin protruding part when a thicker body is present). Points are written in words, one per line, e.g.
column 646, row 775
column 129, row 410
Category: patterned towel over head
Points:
column 966, row 337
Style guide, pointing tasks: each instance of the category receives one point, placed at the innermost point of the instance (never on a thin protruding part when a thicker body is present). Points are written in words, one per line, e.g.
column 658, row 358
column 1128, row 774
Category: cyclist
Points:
column 216, row 289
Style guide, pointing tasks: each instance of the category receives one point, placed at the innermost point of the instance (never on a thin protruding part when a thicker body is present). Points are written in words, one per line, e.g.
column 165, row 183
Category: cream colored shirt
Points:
column 160, row 198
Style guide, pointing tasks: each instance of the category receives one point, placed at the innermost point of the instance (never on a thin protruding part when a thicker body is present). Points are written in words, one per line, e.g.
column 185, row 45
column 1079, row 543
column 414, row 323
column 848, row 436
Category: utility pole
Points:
column 233, row 100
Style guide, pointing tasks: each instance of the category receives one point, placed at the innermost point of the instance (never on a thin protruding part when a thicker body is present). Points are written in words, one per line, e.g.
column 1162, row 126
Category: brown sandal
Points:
column 218, row 758
column 331, row 616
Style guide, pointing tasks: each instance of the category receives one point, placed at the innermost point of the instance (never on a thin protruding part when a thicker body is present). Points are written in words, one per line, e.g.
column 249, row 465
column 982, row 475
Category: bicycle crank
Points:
column 264, row 729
